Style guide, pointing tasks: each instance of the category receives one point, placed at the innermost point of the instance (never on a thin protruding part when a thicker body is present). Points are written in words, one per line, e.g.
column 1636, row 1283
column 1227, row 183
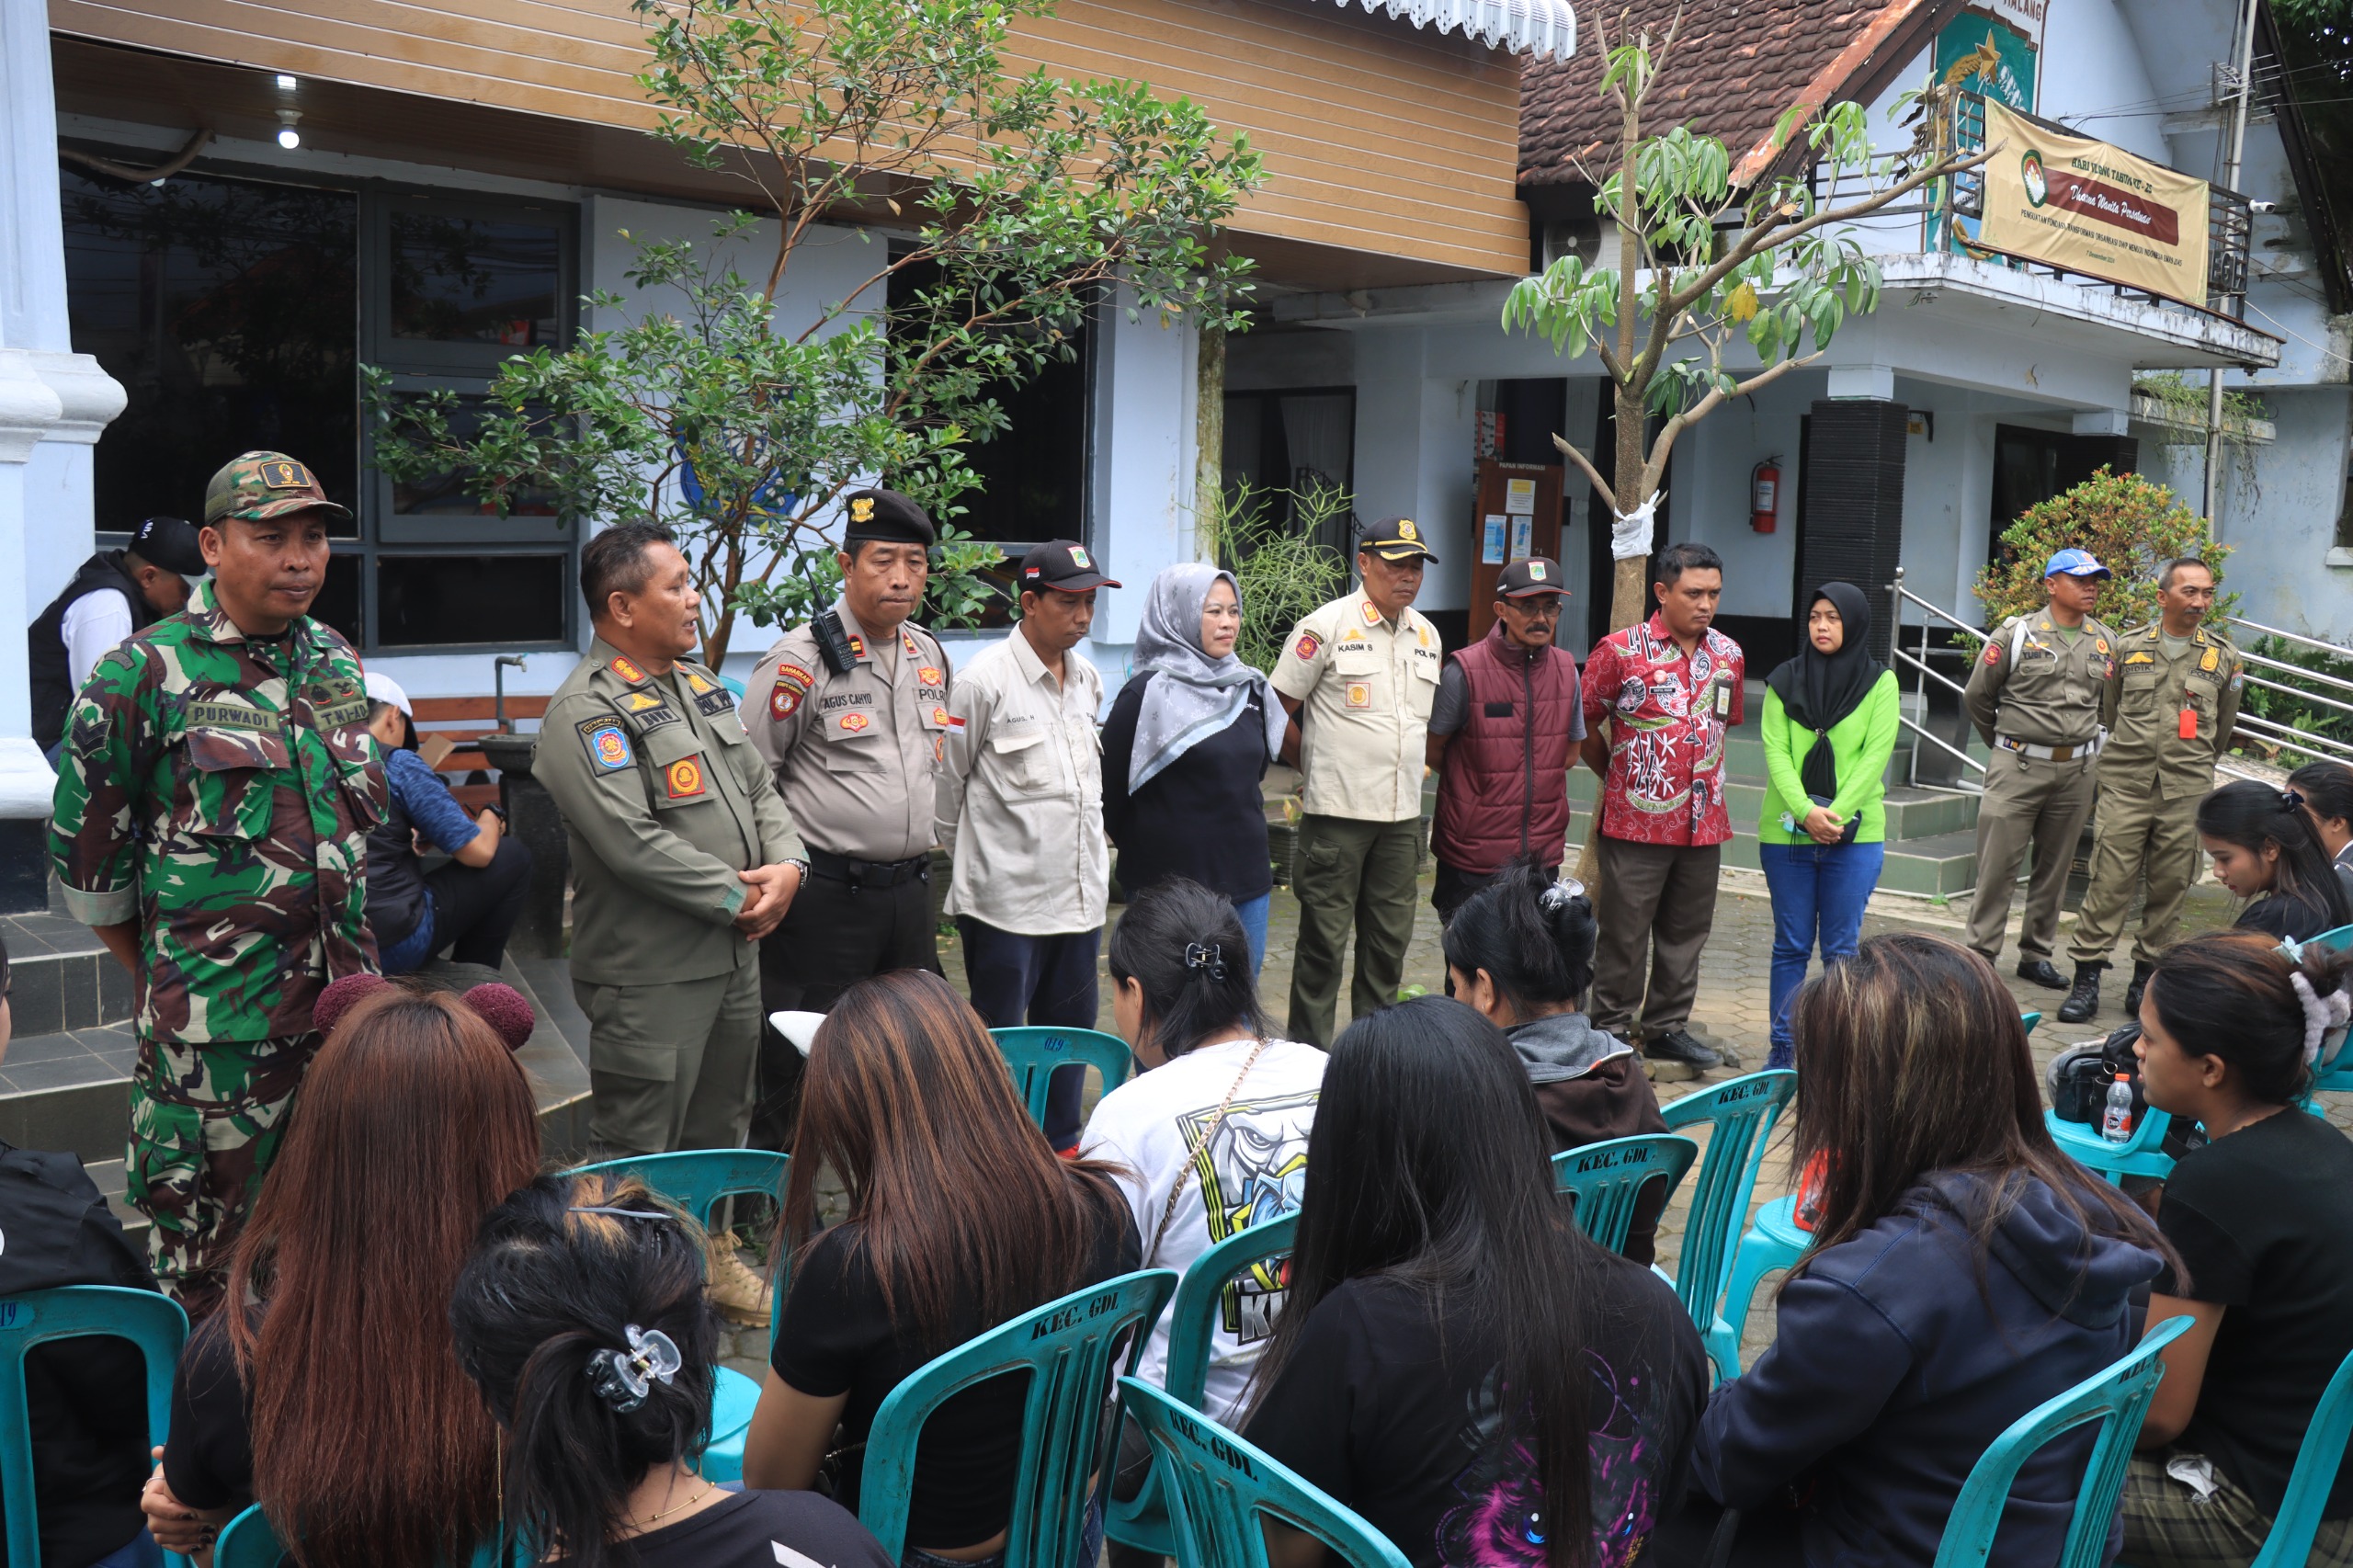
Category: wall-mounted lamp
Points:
column 287, row 84
column 287, row 136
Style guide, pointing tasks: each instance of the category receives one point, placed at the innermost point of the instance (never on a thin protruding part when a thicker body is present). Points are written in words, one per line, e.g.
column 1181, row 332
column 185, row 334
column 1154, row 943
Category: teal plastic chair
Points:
column 248, row 1541
column 2029, row 1021
column 1606, row 1178
column 1033, row 1051
column 2118, row 1399
column 152, row 1322
column 1740, row 1115
column 1143, row 1520
column 1222, row 1489
column 2142, row 1155
column 1066, row 1348
column 696, row 1179
column 2292, row 1529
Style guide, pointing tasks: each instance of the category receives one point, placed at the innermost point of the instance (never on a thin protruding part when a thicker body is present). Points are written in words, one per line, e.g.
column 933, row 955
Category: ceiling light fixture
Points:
column 286, row 84
column 287, row 136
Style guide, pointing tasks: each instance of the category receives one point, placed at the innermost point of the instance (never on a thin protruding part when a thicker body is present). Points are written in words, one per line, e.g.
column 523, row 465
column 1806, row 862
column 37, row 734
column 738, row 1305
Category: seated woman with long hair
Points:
column 1521, row 950
column 1457, row 1362
column 1963, row 1270
column 336, row 1400
column 2262, row 1215
column 1212, row 1087
column 2265, row 850
column 960, row 1218
column 582, row 1318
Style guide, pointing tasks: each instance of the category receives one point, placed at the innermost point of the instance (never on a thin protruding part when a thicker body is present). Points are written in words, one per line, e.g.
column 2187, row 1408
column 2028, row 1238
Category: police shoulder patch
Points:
column 788, row 673
column 1307, row 646
column 608, row 745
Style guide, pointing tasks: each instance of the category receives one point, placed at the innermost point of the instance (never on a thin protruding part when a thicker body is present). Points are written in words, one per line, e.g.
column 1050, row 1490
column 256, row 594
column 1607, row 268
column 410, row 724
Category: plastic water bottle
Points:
column 2116, row 1121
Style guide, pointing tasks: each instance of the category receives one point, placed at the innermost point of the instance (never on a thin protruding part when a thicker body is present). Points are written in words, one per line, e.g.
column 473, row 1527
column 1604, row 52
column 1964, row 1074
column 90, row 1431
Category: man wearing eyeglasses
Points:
column 1506, row 724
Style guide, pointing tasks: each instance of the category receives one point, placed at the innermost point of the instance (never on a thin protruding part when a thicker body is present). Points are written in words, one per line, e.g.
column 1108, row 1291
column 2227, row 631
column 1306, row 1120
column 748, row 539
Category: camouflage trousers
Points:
column 205, row 1123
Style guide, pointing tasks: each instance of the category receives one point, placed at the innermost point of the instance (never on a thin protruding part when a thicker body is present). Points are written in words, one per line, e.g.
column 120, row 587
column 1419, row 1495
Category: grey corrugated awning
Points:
column 1546, row 29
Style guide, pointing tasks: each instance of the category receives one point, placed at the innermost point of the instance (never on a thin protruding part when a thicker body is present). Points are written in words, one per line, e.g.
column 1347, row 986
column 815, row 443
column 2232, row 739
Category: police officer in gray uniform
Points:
column 2034, row 696
column 850, row 712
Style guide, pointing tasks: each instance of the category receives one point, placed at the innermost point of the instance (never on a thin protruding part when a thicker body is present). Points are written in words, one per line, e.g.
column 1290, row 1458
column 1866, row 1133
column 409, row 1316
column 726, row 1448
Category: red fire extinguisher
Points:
column 1765, row 491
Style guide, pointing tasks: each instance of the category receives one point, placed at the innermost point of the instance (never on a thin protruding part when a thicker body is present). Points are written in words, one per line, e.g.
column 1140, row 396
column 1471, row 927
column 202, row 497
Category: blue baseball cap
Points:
column 2076, row 564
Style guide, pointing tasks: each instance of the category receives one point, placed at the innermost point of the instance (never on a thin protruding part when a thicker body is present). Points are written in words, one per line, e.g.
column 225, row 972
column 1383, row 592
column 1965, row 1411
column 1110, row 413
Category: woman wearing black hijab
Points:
column 1830, row 723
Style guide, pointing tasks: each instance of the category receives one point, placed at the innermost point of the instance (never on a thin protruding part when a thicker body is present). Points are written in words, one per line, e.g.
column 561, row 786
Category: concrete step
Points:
column 60, row 976
column 70, row 1089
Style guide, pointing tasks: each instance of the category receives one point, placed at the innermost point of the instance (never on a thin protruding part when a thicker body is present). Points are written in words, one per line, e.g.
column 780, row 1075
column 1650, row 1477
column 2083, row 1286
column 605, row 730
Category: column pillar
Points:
column 1852, row 497
column 53, row 405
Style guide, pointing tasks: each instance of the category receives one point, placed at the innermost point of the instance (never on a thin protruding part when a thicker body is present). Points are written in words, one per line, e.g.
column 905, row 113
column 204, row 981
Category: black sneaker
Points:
column 1679, row 1047
column 2041, row 972
column 2082, row 1000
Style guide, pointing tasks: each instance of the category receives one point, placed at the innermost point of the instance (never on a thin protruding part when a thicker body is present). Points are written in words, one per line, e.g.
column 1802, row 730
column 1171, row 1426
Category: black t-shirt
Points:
column 1202, row 816
column 836, row 1338
column 762, row 1529
column 2263, row 1220
column 1403, row 1424
column 85, row 1397
column 2289, row 918
column 209, row 1458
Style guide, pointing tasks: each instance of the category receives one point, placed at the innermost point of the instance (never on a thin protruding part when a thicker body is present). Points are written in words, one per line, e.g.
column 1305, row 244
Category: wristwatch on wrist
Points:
column 799, row 864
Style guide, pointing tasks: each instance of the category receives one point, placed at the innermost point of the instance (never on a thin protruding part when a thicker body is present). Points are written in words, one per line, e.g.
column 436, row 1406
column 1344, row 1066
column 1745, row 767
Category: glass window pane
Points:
column 338, row 601
column 444, row 497
column 422, row 600
column 228, row 311
column 475, row 280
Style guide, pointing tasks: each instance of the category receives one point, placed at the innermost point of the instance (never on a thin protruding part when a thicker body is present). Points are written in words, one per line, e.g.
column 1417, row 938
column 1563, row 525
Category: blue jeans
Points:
column 1819, row 892
column 1253, row 926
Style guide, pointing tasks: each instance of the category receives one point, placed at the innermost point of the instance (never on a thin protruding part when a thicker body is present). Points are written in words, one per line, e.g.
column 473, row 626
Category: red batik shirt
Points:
column 1667, row 717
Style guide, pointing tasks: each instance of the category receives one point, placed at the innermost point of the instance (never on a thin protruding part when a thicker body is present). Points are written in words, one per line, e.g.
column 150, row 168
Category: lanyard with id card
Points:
column 1723, row 700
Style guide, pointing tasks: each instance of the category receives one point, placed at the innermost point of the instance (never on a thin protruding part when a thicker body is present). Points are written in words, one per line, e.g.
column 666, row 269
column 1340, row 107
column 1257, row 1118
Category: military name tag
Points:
column 335, row 715
column 655, row 718
column 710, row 704
column 234, row 716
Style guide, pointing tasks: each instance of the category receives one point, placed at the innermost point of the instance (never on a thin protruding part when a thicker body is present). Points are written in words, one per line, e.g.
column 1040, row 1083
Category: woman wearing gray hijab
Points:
column 1188, row 739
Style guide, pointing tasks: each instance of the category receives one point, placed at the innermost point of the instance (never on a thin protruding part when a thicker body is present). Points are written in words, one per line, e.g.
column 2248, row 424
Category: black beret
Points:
column 885, row 516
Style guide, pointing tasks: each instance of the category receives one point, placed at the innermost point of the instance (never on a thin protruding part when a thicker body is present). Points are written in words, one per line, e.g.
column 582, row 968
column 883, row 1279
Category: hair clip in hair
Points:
column 618, row 1213
column 623, row 1378
column 1559, row 893
column 2290, row 799
column 1210, row 956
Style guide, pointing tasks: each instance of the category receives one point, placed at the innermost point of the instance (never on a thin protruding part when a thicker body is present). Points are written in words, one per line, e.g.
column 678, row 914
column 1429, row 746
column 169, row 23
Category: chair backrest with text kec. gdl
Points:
column 1606, row 1179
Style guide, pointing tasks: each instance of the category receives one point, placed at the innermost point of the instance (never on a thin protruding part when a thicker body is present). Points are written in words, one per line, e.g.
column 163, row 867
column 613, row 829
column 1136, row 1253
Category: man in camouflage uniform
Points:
column 213, row 802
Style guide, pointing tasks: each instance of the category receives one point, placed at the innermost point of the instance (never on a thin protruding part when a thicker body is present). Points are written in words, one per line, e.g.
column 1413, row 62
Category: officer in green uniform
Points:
column 1357, row 678
column 213, row 801
column 2034, row 696
column 683, row 857
column 2169, row 710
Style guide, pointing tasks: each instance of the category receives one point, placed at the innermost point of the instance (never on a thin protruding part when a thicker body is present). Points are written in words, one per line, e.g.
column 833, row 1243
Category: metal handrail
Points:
column 2339, row 649
column 2283, row 686
column 2338, row 752
column 1899, row 596
column 1921, row 665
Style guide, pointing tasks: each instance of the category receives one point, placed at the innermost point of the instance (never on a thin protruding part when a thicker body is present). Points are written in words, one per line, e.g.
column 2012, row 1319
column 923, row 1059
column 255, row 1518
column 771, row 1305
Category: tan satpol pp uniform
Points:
column 2169, row 714
column 856, row 755
column 2035, row 699
column 665, row 802
column 1365, row 688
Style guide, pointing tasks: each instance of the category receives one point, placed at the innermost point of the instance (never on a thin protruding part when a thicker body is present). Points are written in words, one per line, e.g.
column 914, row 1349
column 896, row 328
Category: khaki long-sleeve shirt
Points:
column 2032, row 683
column 665, row 801
column 1021, row 797
column 2169, row 713
column 856, row 755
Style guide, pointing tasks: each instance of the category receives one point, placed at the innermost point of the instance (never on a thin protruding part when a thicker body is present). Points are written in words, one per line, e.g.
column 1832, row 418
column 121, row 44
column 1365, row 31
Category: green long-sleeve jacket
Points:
column 1863, row 742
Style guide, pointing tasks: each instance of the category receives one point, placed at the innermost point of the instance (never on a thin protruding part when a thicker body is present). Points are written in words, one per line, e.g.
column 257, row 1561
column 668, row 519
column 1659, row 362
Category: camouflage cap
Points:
column 256, row 486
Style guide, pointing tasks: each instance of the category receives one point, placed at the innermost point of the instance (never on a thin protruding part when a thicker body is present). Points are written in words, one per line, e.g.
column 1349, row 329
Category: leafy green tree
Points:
column 1000, row 210
column 2132, row 525
column 1704, row 264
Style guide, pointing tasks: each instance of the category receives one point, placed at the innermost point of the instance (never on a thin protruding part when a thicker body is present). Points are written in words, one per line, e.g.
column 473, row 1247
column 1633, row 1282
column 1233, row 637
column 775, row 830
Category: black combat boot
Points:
column 2082, row 1000
column 2142, row 970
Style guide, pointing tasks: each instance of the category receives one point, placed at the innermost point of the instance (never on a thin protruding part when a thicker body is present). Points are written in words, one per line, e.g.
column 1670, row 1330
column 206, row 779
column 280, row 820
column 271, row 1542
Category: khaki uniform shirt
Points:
column 2156, row 695
column 856, row 755
column 1021, row 798
column 1365, row 689
column 665, row 801
column 2048, row 693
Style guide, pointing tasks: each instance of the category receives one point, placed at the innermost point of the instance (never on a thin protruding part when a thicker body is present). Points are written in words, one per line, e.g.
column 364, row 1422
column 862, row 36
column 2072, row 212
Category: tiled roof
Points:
column 1736, row 65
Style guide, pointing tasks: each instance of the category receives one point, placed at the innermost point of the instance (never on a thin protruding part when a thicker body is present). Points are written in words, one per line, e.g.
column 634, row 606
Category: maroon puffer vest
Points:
column 1504, row 785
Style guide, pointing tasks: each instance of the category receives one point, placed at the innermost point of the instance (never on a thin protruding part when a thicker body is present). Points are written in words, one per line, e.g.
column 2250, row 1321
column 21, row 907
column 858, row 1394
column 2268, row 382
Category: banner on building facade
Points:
column 2089, row 208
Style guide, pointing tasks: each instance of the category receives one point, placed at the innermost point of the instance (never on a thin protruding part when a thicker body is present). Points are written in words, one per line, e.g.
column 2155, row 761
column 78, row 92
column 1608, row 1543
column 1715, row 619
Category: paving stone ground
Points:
column 1731, row 1008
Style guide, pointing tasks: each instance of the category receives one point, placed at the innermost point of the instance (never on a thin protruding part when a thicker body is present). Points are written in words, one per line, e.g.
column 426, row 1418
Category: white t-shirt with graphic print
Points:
column 1155, row 1123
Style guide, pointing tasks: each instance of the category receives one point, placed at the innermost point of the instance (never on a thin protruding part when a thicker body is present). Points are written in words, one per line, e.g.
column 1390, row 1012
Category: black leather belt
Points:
column 867, row 873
